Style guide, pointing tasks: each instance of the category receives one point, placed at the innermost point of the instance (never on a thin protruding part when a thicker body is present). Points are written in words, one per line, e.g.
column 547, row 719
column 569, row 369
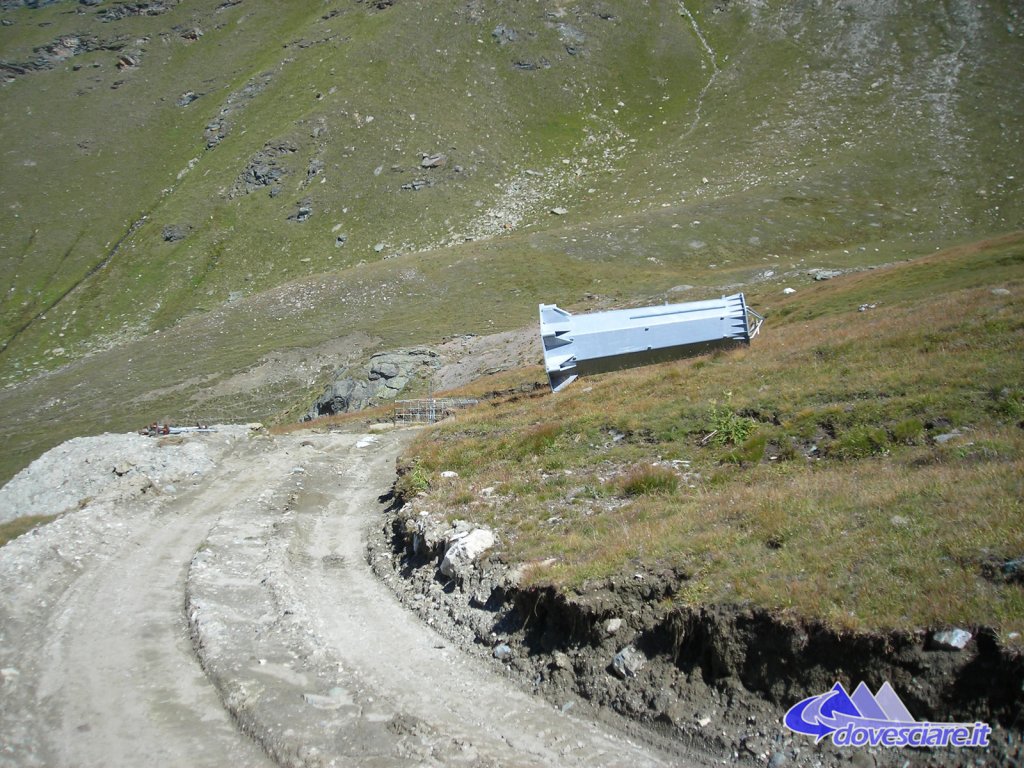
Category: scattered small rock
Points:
column 123, row 468
column 1000, row 292
column 628, row 662
column 951, row 640
column 449, row 474
column 612, row 626
column 318, row 701
column 947, row 436
column 825, row 274
column 265, row 169
column 502, row 652
column 789, row 291
column 187, row 98
column 174, row 232
column 1013, row 570
column 504, row 35
column 570, row 35
column 434, row 161
column 559, row 211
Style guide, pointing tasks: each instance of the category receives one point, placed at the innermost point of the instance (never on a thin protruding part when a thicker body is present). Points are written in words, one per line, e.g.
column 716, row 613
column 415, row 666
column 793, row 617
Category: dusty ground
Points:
column 220, row 611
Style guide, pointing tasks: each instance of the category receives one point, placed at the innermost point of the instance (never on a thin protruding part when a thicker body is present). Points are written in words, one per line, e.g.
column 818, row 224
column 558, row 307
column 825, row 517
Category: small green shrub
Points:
column 908, row 431
column 859, row 443
column 727, row 427
column 412, row 479
column 536, row 441
column 463, row 496
column 751, row 452
column 1009, row 404
column 786, row 448
column 646, row 481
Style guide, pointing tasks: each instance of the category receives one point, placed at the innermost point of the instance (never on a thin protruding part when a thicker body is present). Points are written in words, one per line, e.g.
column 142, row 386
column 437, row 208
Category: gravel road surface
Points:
column 212, row 606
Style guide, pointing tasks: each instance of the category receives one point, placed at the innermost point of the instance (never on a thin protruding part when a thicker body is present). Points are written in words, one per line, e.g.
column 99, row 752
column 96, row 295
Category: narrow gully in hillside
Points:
column 711, row 56
column 93, row 270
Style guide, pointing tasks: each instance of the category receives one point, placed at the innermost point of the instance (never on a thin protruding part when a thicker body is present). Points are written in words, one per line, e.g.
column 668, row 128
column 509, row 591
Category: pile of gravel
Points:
column 111, row 468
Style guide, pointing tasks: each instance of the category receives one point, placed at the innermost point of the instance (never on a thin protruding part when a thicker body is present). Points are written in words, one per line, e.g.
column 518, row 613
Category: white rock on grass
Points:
column 464, row 549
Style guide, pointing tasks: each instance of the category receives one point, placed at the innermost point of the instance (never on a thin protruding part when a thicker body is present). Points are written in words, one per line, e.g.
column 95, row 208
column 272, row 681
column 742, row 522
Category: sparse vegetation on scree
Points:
column 209, row 206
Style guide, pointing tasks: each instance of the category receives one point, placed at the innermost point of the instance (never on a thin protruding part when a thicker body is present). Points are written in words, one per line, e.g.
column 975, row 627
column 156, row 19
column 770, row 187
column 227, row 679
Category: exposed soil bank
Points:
column 718, row 678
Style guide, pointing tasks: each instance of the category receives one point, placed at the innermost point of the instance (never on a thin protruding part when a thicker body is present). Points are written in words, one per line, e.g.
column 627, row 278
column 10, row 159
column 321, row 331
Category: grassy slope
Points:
column 827, row 138
column 801, row 473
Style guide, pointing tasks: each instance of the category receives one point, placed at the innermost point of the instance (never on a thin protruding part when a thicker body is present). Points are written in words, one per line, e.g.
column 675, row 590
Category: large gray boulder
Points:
column 385, row 377
column 464, row 549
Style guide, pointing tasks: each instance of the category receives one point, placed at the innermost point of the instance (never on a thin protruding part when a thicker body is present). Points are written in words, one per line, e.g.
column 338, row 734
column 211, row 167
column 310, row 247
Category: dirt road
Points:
column 235, row 622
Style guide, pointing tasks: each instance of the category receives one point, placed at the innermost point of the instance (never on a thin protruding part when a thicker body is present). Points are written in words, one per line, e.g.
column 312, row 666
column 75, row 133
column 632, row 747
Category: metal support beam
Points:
column 577, row 345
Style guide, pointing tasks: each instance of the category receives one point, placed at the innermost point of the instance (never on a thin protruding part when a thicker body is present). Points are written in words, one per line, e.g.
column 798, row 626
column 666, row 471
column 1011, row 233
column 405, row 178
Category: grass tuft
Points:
column 22, row 525
column 647, row 481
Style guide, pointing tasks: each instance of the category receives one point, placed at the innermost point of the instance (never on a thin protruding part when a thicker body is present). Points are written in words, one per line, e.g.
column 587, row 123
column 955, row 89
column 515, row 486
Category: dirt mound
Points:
column 109, row 468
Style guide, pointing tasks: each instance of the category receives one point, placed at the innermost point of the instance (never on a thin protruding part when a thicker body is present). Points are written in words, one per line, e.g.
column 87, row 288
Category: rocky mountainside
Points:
column 210, row 205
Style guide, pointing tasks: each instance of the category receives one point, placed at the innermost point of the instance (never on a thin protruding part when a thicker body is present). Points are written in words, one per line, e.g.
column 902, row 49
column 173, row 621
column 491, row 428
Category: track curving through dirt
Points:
column 237, row 623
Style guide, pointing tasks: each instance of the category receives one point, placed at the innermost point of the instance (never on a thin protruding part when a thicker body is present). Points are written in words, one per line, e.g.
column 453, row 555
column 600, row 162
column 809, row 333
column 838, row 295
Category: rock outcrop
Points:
column 386, row 376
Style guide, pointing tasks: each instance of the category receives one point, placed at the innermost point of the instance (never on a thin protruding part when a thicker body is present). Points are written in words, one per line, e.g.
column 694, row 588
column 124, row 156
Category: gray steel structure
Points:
column 577, row 345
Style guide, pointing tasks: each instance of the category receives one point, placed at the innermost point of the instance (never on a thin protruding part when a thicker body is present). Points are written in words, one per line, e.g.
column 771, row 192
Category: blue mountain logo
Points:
column 876, row 719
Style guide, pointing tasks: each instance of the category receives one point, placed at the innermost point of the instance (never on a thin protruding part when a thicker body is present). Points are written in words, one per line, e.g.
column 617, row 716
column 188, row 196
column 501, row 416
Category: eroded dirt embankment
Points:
column 718, row 678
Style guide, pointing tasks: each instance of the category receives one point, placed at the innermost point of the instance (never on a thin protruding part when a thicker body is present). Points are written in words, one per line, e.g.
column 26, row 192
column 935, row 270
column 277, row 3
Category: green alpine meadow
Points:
column 207, row 207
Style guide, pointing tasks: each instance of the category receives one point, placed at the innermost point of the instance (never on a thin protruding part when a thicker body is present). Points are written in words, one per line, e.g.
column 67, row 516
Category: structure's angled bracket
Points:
column 576, row 345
